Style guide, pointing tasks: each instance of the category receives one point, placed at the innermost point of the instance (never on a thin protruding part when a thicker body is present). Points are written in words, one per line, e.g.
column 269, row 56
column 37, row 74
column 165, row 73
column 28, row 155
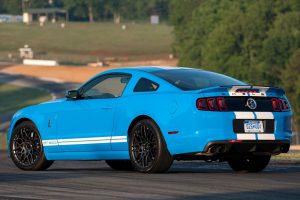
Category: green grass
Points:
column 3, row 143
column 12, row 97
column 288, row 156
column 80, row 42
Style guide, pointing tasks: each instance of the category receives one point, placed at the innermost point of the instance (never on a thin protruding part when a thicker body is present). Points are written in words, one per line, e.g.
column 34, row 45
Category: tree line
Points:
column 257, row 41
column 95, row 10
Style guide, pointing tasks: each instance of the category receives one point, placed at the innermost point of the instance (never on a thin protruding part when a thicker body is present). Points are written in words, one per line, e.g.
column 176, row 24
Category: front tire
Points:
column 26, row 148
column 147, row 148
column 249, row 163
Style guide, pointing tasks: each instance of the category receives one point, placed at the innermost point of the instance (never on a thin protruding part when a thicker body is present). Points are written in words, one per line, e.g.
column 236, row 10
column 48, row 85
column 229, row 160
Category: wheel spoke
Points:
column 26, row 146
column 144, row 146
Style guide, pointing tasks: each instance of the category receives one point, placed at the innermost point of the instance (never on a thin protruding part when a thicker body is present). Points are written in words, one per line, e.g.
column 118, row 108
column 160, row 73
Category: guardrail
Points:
column 40, row 62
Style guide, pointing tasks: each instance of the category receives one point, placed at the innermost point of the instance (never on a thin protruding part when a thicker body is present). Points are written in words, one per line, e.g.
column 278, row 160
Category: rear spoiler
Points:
column 244, row 90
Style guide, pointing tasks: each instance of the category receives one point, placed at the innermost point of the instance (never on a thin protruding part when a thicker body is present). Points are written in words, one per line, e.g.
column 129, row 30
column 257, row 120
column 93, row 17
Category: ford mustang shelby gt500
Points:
column 145, row 117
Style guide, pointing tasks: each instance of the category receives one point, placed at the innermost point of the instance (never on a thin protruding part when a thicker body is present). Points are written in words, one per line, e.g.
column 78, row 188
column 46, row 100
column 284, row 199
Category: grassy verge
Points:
column 288, row 156
column 83, row 42
column 12, row 97
column 3, row 143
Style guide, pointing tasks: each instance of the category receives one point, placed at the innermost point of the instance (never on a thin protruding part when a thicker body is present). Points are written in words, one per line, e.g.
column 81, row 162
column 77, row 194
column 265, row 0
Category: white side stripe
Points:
column 84, row 142
column 83, row 139
column 89, row 140
column 50, row 142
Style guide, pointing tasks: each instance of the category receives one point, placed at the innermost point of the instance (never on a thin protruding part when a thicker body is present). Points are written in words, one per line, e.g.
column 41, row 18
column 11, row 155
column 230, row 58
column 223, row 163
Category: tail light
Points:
column 222, row 104
column 212, row 104
column 280, row 105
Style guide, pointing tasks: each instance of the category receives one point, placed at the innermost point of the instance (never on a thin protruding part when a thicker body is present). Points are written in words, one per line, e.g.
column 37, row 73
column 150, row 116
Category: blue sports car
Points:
column 143, row 118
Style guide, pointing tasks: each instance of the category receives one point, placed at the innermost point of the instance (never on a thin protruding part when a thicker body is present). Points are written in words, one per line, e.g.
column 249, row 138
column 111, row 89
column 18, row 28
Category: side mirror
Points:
column 72, row 94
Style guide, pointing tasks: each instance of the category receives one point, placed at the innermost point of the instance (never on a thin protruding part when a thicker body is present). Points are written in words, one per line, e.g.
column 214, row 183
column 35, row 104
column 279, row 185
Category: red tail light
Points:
column 221, row 103
column 212, row 104
column 201, row 104
column 280, row 105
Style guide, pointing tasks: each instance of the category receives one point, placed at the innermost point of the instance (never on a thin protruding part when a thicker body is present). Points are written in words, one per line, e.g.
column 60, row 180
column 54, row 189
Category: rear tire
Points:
column 249, row 163
column 122, row 165
column 147, row 148
column 26, row 148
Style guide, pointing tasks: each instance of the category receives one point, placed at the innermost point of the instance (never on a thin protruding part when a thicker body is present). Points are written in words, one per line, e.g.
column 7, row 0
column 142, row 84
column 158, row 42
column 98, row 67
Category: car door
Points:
column 86, row 123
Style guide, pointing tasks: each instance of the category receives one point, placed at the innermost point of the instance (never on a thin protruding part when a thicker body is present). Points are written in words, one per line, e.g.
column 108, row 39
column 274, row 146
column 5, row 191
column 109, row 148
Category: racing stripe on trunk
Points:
column 265, row 136
column 245, row 115
column 246, row 136
column 265, row 115
column 233, row 91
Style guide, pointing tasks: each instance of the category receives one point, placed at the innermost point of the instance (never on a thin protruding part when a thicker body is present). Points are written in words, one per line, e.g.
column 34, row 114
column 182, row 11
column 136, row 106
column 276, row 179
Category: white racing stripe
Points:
column 264, row 115
column 246, row 136
column 255, row 115
column 265, row 136
column 262, row 91
column 232, row 90
column 244, row 115
column 89, row 140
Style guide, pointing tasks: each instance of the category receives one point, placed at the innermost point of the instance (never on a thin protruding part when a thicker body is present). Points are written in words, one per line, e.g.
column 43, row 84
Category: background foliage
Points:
column 257, row 41
column 83, row 10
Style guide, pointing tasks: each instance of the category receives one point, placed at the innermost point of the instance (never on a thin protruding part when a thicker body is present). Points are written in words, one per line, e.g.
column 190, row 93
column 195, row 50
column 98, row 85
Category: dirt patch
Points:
column 77, row 74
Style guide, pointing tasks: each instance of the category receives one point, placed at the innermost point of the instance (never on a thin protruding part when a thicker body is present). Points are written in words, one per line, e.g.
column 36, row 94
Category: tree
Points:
column 283, row 39
column 13, row 7
column 291, row 82
column 257, row 41
column 82, row 9
column 180, row 17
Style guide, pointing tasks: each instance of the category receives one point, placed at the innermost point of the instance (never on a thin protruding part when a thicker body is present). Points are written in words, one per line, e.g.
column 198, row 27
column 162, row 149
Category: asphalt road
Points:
column 186, row 180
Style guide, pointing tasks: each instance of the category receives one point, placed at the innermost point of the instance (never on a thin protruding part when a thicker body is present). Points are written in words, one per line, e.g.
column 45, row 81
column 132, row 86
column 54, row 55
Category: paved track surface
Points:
column 186, row 180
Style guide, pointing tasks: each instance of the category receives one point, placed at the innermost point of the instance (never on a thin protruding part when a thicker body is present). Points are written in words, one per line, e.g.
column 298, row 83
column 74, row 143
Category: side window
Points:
column 145, row 85
column 107, row 86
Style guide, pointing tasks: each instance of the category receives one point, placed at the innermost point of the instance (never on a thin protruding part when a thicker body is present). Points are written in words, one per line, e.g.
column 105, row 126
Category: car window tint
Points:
column 193, row 79
column 145, row 85
column 108, row 86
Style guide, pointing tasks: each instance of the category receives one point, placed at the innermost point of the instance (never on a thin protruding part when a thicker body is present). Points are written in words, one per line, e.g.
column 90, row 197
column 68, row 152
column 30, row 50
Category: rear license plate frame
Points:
column 254, row 126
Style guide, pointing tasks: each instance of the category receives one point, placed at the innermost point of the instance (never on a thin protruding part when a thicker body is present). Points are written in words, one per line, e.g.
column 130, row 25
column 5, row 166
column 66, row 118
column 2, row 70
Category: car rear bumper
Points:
column 240, row 147
column 229, row 148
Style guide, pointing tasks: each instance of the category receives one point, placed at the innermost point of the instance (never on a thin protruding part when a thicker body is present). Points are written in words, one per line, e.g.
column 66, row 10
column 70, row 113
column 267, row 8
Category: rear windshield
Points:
column 193, row 79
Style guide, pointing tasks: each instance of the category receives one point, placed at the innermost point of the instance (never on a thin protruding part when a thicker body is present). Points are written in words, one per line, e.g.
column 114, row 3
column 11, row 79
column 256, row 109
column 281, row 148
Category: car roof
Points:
column 157, row 68
column 147, row 69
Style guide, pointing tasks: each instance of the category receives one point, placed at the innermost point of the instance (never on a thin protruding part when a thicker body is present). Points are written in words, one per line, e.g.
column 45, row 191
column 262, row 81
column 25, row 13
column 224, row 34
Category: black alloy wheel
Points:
column 26, row 148
column 148, row 151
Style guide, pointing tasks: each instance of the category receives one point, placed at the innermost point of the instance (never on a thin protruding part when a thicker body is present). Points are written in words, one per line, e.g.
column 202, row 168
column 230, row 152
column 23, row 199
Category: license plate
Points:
column 253, row 126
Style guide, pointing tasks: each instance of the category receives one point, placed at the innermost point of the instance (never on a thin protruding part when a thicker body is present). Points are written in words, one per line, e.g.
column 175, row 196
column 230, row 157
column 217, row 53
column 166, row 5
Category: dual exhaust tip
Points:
column 218, row 149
